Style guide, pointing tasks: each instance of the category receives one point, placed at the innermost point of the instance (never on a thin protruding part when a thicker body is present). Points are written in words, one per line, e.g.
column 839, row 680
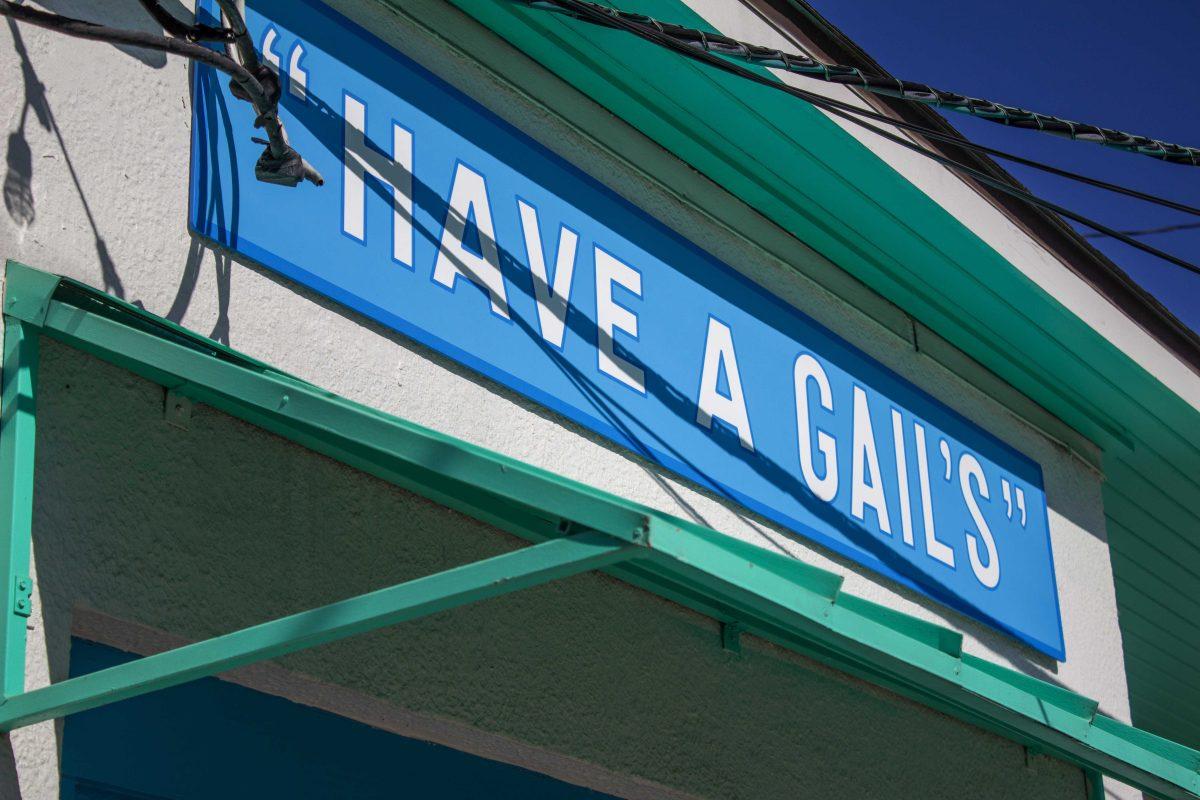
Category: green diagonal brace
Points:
column 17, row 432
column 774, row 597
column 530, row 566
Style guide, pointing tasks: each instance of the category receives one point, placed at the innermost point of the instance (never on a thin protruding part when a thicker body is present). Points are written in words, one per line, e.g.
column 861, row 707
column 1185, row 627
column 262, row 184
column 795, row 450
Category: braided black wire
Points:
column 601, row 15
column 892, row 87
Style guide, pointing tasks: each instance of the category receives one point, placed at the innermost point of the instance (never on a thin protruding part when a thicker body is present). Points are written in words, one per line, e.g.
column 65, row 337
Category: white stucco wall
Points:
column 97, row 144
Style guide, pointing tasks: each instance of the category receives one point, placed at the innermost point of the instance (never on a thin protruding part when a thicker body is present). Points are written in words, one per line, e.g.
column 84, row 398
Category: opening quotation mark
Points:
column 297, row 76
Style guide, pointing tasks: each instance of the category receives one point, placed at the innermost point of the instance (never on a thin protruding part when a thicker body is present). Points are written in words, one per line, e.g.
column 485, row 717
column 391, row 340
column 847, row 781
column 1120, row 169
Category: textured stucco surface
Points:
column 203, row 530
column 96, row 188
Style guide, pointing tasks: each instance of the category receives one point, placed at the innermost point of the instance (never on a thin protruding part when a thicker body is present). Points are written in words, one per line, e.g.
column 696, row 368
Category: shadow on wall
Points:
column 128, row 15
column 19, row 200
column 211, row 208
column 10, row 785
column 223, row 263
column 18, row 177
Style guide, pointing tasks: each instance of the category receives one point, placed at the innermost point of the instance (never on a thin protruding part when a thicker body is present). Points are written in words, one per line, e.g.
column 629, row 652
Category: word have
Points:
column 469, row 201
column 813, row 392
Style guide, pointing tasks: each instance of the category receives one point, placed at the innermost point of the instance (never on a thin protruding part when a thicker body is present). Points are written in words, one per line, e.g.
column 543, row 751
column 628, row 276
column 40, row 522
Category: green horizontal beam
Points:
column 483, row 484
column 521, row 569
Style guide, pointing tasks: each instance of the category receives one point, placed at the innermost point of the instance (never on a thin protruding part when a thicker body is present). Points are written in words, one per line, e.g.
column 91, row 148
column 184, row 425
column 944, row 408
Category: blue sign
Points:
column 444, row 223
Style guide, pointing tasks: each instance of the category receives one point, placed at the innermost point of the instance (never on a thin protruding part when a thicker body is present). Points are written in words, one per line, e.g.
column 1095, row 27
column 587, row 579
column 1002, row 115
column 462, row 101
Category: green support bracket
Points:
column 22, row 596
column 18, row 423
column 28, row 292
column 731, row 637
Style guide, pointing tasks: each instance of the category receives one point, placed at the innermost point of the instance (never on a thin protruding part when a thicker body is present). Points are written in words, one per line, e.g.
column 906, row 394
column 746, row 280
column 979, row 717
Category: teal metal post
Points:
column 530, row 566
column 18, row 421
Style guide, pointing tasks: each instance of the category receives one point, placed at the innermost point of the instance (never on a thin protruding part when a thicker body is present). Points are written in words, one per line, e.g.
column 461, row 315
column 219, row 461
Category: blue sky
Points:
column 1107, row 62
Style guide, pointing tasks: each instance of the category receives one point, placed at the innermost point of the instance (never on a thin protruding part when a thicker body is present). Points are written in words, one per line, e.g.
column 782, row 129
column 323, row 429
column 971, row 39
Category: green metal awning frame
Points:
column 573, row 528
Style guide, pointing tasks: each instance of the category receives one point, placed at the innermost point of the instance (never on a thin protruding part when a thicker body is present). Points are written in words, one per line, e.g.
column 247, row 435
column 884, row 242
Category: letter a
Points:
column 469, row 194
column 718, row 353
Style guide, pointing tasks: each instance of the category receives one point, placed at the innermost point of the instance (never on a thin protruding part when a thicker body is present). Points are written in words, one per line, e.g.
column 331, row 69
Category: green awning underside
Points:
column 769, row 595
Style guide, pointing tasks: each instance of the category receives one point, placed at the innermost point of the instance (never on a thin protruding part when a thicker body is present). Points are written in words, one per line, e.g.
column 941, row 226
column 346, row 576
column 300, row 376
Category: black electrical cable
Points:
column 1022, row 194
column 893, row 87
column 280, row 163
column 1185, row 226
column 182, row 30
column 927, row 132
column 590, row 12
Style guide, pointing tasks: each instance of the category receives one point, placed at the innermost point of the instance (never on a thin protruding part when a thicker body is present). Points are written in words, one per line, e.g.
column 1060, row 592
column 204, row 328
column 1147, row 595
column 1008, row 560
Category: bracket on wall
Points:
column 22, row 596
column 177, row 409
column 731, row 637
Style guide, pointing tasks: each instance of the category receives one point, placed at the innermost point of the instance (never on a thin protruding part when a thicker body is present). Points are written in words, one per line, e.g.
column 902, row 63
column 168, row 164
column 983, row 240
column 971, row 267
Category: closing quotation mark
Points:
column 1008, row 490
column 297, row 76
